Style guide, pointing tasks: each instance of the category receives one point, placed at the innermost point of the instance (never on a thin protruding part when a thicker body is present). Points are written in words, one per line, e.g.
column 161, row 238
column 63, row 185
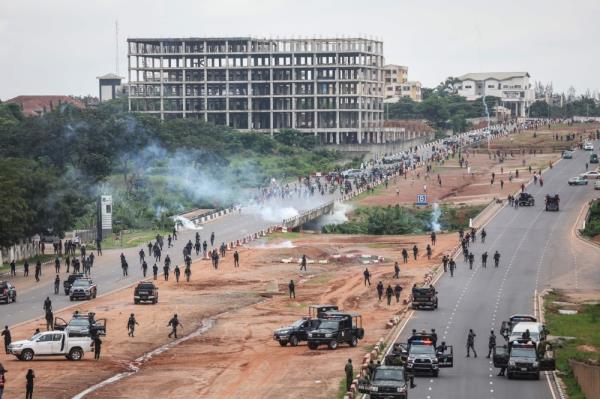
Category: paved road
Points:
column 537, row 252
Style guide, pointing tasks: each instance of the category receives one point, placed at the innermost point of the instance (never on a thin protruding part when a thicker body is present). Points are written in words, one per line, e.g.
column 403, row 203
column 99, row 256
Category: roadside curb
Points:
column 576, row 230
column 555, row 382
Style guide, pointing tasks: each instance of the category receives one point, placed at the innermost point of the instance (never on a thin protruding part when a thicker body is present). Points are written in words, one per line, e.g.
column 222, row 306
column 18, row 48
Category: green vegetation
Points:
column 53, row 167
column 442, row 108
column 130, row 238
column 584, row 326
column 403, row 220
column 592, row 226
column 341, row 389
column 32, row 261
column 582, row 106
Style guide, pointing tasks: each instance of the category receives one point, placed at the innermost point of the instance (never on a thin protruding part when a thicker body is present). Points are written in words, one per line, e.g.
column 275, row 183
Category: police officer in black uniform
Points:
column 491, row 343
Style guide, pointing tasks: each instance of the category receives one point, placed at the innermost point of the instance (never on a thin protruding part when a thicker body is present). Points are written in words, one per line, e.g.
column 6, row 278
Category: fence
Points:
column 588, row 378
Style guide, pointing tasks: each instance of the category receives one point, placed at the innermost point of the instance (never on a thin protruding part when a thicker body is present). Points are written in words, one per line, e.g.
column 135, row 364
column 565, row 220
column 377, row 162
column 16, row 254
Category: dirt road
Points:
column 237, row 356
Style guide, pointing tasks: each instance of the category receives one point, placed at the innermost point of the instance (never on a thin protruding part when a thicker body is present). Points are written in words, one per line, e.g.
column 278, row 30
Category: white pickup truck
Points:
column 51, row 343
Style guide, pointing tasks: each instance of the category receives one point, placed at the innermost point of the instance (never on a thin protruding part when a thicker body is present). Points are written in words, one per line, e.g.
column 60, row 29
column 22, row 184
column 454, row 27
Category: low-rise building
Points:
column 39, row 105
column 397, row 84
column 513, row 89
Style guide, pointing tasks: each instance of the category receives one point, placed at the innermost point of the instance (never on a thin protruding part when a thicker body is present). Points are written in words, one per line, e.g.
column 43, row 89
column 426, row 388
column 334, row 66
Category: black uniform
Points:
column 396, row 270
column 292, row 289
column 496, row 259
column 236, row 259
column 131, row 323
column 7, row 338
column 389, row 292
column 380, row 290
column 471, row 343
column 404, row 255
column 397, row 292
column 491, row 343
column 303, row 263
column 56, row 284
column 471, row 260
column 155, row 271
column 367, row 276
column 484, row 257
column 173, row 323
column 97, row 347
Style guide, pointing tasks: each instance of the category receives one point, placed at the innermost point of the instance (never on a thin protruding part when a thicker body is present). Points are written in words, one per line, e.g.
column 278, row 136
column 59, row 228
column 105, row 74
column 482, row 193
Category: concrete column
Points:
column 249, row 84
column 183, row 94
column 226, row 83
column 162, row 93
column 205, row 95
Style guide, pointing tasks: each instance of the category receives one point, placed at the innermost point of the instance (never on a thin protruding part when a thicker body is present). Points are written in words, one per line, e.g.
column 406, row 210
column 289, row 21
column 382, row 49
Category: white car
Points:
column 594, row 174
column 51, row 343
column 597, row 185
column 588, row 147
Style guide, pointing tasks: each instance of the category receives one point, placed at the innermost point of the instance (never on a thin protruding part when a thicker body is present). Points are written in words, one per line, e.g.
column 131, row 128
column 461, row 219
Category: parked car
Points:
column 588, row 146
column 577, row 181
column 8, row 292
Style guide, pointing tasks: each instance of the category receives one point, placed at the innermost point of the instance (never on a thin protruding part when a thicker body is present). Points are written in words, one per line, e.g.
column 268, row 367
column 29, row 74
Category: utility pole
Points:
column 117, row 47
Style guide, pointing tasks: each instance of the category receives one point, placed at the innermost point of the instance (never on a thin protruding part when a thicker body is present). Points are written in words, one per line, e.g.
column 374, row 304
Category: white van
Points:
column 537, row 331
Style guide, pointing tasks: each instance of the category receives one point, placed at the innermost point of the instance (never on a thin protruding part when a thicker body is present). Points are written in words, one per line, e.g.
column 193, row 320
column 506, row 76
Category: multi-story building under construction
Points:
column 332, row 88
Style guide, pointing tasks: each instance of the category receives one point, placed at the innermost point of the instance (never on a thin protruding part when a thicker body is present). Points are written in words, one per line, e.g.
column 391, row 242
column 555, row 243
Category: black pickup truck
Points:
column 524, row 358
column 420, row 355
column 387, row 382
column 296, row 332
column 145, row 291
column 70, row 280
column 424, row 297
column 336, row 328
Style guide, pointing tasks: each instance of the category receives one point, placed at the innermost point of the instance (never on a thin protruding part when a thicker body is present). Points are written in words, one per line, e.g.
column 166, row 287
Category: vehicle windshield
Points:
column 81, row 282
column 36, row 336
column 523, row 352
column 389, row 375
column 518, row 335
column 422, row 350
column 298, row 323
column 79, row 323
column 329, row 325
column 145, row 287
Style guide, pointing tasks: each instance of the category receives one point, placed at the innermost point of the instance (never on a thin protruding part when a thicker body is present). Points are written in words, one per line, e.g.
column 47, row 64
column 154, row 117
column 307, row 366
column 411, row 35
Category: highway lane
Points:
column 536, row 253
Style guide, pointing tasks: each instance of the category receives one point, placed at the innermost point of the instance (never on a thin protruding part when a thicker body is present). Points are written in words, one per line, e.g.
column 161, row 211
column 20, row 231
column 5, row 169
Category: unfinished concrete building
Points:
column 332, row 88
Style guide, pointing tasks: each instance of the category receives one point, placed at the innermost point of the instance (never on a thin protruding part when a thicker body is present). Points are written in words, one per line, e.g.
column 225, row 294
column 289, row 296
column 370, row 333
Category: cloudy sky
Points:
column 60, row 46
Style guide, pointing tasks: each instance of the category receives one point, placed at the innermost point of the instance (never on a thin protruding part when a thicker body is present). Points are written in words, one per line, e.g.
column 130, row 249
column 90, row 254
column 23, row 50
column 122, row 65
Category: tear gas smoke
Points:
column 186, row 223
column 435, row 218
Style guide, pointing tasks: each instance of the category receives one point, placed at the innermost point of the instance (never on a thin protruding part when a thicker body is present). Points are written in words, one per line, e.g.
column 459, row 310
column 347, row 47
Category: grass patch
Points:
column 132, row 238
column 396, row 220
column 584, row 327
column 341, row 389
column 283, row 236
column 32, row 261
column 377, row 190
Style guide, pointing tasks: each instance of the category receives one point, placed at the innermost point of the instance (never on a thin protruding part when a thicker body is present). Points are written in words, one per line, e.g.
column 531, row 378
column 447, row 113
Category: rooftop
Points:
column 493, row 75
column 38, row 105
column 109, row 76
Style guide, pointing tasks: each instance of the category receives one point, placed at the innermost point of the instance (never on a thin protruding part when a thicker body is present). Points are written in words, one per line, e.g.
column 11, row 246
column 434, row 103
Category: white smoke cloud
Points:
column 435, row 218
